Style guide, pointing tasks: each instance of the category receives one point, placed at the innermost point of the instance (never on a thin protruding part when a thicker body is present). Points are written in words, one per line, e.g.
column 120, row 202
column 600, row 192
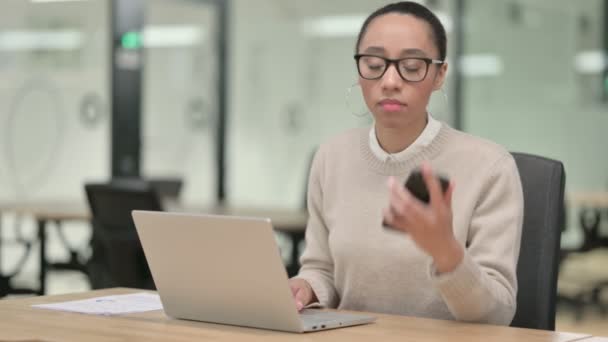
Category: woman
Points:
column 454, row 258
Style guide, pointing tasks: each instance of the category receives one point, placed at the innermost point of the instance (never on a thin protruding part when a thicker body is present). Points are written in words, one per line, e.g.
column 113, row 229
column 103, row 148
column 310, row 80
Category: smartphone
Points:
column 417, row 187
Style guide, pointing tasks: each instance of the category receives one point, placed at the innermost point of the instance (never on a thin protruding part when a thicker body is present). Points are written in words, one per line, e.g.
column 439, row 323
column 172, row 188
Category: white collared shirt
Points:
column 424, row 139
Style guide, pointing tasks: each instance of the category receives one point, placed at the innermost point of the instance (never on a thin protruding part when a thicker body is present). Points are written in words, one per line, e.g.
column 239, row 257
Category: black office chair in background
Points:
column 543, row 182
column 118, row 258
column 167, row 188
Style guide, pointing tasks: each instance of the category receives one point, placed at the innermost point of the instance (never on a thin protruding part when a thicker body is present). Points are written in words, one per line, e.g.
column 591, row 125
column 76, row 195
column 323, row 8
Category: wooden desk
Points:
column 290, row 222
column 597, row 199
column 595, row 339
column 284, row 220
column 20, row 322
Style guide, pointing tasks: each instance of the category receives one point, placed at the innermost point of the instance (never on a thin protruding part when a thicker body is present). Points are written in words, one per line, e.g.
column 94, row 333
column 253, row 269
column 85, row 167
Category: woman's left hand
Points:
column 429, row 225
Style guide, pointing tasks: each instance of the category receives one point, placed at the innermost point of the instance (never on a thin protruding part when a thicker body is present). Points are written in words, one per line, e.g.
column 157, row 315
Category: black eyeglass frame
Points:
column 396, row 62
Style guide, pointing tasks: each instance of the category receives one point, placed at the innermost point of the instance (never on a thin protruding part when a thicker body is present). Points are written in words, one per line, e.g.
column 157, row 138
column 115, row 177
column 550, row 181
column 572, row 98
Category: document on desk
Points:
column 109, row 305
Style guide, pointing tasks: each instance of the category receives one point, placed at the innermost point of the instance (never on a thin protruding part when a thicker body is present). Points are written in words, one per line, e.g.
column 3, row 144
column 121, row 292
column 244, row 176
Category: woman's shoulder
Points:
column 477, row 161
column 466, row 146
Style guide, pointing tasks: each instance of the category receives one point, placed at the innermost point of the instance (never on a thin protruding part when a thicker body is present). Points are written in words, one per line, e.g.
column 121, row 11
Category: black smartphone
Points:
column 416, row 186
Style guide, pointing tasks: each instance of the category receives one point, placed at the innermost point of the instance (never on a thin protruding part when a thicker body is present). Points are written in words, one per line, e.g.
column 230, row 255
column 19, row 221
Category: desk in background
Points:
column 290, row 222
column 592, row 211
column 588, row 198
column 20, row 322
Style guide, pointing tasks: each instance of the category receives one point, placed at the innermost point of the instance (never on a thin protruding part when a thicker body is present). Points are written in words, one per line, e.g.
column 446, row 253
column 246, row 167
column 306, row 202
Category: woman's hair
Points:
column 417, row 10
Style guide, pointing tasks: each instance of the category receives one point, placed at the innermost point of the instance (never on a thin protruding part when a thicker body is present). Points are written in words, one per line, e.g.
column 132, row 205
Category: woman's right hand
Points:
column 302, row 292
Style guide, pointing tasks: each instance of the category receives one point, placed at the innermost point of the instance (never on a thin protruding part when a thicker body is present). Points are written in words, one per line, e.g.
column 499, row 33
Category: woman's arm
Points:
column 317, row 264
column 477, row 282
column 483, row 287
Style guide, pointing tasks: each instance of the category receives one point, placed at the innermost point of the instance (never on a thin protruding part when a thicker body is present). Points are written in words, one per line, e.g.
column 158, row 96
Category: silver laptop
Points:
column 226, row 270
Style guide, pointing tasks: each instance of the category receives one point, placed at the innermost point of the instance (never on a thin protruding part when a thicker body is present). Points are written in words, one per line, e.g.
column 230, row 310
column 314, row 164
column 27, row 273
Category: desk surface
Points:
column 287, row 220
column 20, row 322
column 597, row 199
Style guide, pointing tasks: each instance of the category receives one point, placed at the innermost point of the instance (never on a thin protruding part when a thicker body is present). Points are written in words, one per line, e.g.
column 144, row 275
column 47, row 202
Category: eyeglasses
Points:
column 411, row 69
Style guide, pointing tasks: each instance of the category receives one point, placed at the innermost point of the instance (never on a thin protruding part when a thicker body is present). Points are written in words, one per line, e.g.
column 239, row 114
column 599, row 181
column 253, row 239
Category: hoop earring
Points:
column 445, row 97
column 349, row 106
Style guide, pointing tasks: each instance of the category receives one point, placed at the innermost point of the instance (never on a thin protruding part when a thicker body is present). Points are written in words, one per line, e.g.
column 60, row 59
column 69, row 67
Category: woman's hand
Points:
column 430, row 226
column 302, row 292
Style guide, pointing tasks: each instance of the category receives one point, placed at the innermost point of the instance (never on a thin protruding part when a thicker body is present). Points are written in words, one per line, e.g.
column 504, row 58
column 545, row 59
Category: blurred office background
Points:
column 235, row 95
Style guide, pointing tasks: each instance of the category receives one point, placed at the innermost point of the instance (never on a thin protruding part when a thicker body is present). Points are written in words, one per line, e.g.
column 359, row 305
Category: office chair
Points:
column 167, row 188
column 543, row 182
column 118, row 258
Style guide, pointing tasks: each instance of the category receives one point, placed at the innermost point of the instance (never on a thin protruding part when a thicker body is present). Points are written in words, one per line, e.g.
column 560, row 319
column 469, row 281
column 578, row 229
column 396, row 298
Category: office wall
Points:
column 54, row 56
column 54, row 123
column 179, row 95
column 540, row 101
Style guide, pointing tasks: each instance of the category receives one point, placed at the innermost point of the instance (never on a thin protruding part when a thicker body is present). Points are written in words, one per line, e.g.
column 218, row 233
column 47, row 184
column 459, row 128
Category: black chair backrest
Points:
column 167, row 188
column 118, row 258
column 543, row 182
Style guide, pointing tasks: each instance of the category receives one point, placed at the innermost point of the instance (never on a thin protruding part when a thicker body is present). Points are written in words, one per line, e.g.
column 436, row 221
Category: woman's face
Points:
column 393, row 101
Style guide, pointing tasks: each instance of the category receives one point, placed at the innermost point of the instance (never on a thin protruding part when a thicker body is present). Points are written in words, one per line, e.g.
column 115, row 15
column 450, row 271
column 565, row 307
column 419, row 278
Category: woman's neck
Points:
column 395, row 140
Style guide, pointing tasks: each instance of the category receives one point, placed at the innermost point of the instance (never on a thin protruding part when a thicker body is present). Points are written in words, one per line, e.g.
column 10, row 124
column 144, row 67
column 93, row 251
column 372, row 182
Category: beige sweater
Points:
column 353, row 263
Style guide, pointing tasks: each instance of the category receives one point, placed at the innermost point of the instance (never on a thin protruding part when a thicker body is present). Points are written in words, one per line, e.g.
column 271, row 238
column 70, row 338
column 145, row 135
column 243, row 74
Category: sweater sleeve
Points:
column 317, row 263
column 483, row 287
